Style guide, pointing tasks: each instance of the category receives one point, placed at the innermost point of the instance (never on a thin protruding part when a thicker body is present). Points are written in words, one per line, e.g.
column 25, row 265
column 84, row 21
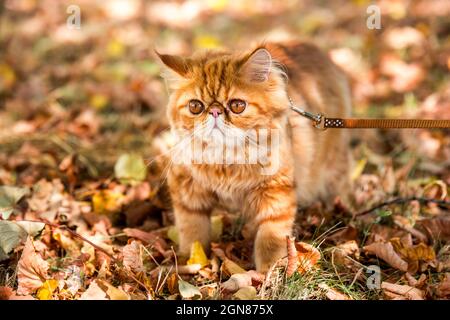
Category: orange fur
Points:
column 312, row 164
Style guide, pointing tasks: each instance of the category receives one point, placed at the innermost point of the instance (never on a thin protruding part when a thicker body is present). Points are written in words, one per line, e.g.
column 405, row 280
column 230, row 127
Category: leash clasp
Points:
column 317, row 118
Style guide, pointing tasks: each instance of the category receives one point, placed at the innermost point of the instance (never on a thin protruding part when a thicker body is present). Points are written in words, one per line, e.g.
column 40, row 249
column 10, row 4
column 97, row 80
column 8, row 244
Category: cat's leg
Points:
column 192, row 205
column 192, row 225
column 276, row 207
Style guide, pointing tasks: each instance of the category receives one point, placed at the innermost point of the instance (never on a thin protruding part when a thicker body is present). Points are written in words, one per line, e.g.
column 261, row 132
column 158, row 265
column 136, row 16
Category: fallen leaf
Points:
column 70, row 245
column 31, row 227
column 132, row 257
column 190, row 269
column 404, row 291
column 74, row 279
column 172, row 234
column 245, row 293
column 188, row 291
column 107, row 201
column 31, row 270
column 112, row 292
column 9, row 197
column 386, row 252
column 443, row 289
column 308, row 256
column 229, row 267
column 198, row 255
column 11, row 235
column 216, row 227
column 437, row 228
column 333, row 294
column 343, row 251
column 5, row 293
column 413, row 254
column 130, row 168
column 46, row 291
column 94, row 292
column 147, row 237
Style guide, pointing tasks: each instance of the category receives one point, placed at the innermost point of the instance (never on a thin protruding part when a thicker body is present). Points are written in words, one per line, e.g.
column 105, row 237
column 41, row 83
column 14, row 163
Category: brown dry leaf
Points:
column 437, row 228
column 94, row 292
column 229, row 267
column 333, row 294
column 189, row 269
column 146, row 237
column 343, row 251
column 413, row 254
column 346, row 234
column 413, row 282
column 385, row 251
column 67, row 243
column 402, row 291
column 443, row 289
column 308, row 256
column 112, row 292
column 405, row 224
column 172, row 283
column 32, row 270
column 5, row 293
column 292, row 264
column 132, row 257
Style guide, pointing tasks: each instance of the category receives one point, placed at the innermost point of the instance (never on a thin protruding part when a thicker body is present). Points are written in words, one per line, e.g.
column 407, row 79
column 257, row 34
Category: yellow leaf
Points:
column 172, row 234
column 207, row 42
column 47, row 289
column 217, row 5
column 198, row 255
column 107, row 201
column 7, row 76
column 115, row 49
column 216, row 228
column 359, row 168
column 98, row 101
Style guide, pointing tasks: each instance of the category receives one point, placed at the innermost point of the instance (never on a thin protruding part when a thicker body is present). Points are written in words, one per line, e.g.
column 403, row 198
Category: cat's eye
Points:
column 196, row 106
column 237, row 105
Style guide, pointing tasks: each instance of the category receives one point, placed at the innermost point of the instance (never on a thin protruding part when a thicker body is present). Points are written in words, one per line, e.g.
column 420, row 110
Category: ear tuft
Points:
column 258, row 65
column 175, row 63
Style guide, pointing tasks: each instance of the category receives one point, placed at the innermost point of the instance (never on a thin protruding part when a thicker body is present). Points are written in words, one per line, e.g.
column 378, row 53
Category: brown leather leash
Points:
column 323, row 123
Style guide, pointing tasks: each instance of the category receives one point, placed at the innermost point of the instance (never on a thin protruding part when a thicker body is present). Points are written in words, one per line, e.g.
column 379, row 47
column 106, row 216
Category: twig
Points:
column 442, row 203
column 58, row 226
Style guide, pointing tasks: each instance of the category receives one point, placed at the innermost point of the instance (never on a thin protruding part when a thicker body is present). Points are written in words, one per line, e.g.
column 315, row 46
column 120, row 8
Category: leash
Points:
column 321, row 122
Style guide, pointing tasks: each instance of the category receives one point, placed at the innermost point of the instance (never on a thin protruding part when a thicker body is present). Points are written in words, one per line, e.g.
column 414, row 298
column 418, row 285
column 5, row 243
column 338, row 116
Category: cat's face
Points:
column 219, row 97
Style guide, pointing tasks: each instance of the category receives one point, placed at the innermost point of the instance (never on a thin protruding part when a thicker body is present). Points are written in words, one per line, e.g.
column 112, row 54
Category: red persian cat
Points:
column 226, row 103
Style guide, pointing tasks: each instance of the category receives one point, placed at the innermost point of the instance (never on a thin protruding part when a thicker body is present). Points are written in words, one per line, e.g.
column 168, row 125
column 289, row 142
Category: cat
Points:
column 217, row 96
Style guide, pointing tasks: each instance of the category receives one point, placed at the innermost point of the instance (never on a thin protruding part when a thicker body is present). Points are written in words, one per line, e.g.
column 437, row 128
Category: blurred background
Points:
column 82, row 103
column 88, row 95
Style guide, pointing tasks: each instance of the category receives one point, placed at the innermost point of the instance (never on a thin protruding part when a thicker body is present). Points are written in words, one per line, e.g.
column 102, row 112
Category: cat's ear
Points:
column 257, row 66
column 175, row 63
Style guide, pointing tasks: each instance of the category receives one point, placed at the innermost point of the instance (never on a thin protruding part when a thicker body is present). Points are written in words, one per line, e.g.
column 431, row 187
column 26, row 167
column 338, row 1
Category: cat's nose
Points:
column 215, row 112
